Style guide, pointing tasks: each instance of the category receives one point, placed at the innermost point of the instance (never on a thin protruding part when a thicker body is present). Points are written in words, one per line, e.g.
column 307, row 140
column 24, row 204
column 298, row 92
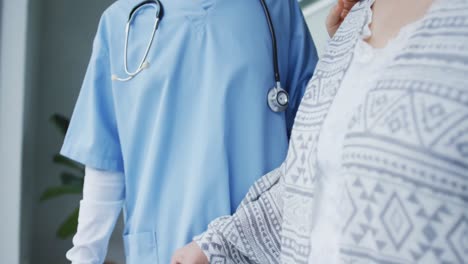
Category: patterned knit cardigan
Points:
column 405, row 159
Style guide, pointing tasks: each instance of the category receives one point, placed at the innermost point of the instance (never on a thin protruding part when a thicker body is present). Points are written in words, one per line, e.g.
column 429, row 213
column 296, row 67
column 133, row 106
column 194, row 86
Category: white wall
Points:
column 12, row 88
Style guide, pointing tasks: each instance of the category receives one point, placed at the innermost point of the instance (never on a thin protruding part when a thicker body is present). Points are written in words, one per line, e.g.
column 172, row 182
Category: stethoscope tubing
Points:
column 273, row 42
column 143, row 63
column 274, row 101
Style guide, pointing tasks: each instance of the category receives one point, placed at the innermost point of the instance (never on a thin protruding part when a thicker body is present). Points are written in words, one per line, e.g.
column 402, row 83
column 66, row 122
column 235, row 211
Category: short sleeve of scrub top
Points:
column 92, row 137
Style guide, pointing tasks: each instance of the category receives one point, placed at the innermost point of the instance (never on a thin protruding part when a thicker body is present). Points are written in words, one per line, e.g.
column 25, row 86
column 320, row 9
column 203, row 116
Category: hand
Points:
column 337, row 14
column 190, row 254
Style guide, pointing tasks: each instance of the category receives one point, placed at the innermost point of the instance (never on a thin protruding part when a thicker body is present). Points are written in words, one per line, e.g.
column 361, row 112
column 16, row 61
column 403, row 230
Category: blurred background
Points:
column 44, row 50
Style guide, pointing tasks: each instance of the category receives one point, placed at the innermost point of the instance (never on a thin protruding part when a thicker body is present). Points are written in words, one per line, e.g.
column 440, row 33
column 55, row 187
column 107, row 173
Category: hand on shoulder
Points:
column 337, row 14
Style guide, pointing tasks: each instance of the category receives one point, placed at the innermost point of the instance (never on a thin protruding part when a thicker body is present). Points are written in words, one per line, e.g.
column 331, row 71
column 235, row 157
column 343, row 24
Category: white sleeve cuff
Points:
column 103, row 198
column 96, row 222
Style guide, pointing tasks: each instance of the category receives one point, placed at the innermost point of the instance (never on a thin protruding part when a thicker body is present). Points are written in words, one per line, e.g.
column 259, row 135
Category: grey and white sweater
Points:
column 405, row 159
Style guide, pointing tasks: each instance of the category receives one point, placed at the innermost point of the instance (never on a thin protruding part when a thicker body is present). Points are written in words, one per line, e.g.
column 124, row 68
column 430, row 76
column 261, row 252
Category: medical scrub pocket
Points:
column 141, row 248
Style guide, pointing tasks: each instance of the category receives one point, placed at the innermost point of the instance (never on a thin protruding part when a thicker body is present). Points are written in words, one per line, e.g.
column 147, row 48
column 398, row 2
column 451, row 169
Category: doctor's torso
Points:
column 204, row 93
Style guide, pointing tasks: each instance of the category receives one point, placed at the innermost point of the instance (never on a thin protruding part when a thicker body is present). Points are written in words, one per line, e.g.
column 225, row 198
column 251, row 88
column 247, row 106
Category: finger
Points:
column 344, row 13
column 340, row 5
column 176, row 259
column 337, row 9
column 348, row 4
column 334, row 16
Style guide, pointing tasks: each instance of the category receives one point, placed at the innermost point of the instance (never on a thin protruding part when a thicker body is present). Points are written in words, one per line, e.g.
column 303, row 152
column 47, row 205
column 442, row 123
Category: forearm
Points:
column 103, row 195
column 252, row 234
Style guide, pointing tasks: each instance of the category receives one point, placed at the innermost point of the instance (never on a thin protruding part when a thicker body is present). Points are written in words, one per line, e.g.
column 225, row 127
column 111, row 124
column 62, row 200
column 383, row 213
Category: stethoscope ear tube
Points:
column 143, row 63
column 159, row 14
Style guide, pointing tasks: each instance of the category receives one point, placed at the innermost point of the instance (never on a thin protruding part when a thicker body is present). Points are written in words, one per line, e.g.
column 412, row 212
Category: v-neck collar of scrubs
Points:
column 188, row 8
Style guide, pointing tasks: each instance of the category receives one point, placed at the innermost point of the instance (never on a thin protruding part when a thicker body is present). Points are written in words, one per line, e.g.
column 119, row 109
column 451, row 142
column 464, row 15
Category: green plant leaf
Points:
column 68, row 228
column 58, row 191
column 69, row 163
column 71, row 179
column 61, row 122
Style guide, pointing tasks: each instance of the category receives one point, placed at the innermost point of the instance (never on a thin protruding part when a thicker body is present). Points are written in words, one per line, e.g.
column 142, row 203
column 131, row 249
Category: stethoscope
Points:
column 277, row 98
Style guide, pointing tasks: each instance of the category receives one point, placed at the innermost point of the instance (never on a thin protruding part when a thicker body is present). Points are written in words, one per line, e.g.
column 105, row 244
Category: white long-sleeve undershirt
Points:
column 103, row 198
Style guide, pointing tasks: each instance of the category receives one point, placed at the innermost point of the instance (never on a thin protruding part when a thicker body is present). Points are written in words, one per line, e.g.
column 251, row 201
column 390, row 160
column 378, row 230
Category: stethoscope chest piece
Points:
column 278, row 99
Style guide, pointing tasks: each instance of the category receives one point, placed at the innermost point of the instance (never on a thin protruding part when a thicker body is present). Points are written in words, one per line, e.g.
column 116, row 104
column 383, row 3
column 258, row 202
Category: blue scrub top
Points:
column 193, row 131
